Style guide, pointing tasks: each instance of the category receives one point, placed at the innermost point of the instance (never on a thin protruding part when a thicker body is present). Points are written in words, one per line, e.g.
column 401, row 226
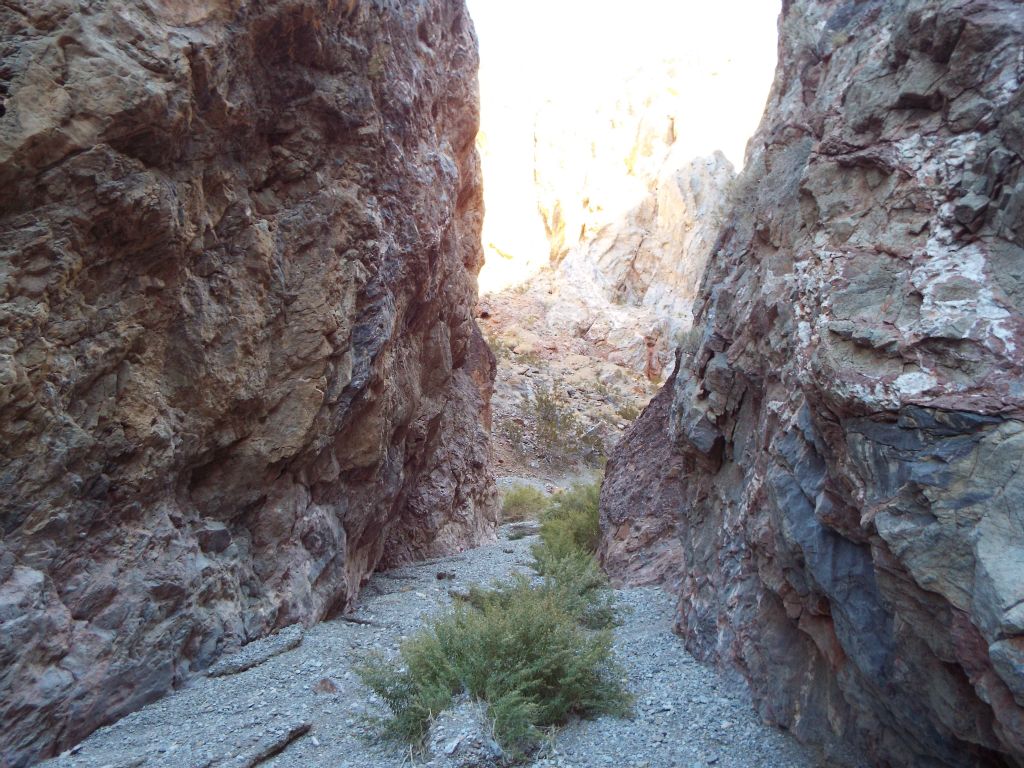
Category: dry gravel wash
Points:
column 283, row 704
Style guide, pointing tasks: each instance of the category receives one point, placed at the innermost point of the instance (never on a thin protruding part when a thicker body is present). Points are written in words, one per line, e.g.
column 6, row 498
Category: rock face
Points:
column 641, row 493
column 631, row 217
column 849, row 425
column 238, row 365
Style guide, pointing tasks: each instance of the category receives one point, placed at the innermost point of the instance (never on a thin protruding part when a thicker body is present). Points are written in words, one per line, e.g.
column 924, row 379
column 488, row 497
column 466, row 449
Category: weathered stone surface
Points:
column 631, row 215
column 462, row 737
column 238, row 365
column 850, row 422
column 641, row 541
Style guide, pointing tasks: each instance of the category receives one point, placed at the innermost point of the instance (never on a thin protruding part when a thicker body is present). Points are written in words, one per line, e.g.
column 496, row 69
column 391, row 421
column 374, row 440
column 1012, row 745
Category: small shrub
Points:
column 628, row 412
column 536, row 653
column 498, row 345
column 689, row 340
column 515, row 433
column 522, row 502
column 412, row 697
column 519, row 648
column 569, row 525
column 529, row 358
column 583, row 589
column 575, row 582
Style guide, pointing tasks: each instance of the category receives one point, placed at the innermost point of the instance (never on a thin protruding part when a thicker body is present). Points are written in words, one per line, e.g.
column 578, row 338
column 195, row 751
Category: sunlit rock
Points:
column 631, row 214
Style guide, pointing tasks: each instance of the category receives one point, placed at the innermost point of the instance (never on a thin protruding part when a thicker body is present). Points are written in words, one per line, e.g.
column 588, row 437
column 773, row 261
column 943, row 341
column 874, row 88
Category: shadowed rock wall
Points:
column 238, row 366
column 847, row 429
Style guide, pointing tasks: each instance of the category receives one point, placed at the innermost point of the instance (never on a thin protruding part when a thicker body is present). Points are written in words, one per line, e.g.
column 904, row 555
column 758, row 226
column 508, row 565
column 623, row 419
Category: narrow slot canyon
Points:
column 454, row 384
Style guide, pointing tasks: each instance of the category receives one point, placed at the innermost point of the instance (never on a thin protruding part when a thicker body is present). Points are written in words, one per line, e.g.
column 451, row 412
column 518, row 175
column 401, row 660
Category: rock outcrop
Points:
column 238, row 364
column 631, row 216
column 642, row 536
column 848, row 425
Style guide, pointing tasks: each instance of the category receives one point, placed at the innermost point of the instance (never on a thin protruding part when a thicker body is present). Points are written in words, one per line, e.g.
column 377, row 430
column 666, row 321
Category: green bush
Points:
column 569, row 526
column 536, row 653
column 515, row 433
column 575, row 582
column 520, row 648
column 581, row 586
column 628, row 412
column 521, row 502
column 498, row 345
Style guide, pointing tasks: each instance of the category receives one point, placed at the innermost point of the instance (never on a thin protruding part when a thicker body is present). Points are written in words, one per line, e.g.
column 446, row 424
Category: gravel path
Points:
column 686, row 715
column 288, row 705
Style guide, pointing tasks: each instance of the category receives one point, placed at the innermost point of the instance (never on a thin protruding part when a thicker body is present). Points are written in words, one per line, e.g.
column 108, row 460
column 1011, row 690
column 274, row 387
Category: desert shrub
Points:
column 529, row 357
column 535, row 652
column 574, row 581
column 520, row 648
column 628, row 412
column 413, row 694
column 521, row 502
column 515, row 433
column 555, row 421
column 582, row 588
column 499, row 346
column 689, row 340
column 569, row 526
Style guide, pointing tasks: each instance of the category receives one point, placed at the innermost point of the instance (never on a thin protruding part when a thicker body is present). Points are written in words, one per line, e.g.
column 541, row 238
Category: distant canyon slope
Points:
column 238, row 364
column 630, row 212
column 832, row 479
column 627, row 201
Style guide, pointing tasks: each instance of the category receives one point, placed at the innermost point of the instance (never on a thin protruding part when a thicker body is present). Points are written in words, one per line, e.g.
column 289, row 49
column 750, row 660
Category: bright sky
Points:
column 580, row 52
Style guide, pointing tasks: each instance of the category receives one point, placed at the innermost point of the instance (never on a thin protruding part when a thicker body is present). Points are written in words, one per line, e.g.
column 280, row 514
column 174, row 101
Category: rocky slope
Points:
column 238, row 364
column 630, row 215
column 843, row 486
column 561, row 400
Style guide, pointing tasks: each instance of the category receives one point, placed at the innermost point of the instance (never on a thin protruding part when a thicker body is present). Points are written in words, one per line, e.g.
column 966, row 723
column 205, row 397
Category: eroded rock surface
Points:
column 642, row 538
column 849, row 424
column 560, row 399
column 631, row 215
column 238, row 365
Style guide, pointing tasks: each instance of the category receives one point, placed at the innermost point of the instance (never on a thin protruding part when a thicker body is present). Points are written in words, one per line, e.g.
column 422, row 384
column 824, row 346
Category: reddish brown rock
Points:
column 641, row 542
column 238, row 366
column 850, row 421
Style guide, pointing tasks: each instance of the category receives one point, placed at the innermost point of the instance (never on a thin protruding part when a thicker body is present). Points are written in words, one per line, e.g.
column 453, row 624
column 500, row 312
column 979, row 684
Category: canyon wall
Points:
column 238, row 365
column 832, row 479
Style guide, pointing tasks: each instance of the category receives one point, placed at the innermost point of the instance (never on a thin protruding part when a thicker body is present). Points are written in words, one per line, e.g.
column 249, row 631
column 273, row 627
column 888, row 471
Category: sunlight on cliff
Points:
column 577, row 94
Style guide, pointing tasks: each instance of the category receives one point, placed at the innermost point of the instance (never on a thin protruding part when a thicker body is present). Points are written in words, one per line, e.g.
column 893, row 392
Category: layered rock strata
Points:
column 238, row 365
column 848, row 426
